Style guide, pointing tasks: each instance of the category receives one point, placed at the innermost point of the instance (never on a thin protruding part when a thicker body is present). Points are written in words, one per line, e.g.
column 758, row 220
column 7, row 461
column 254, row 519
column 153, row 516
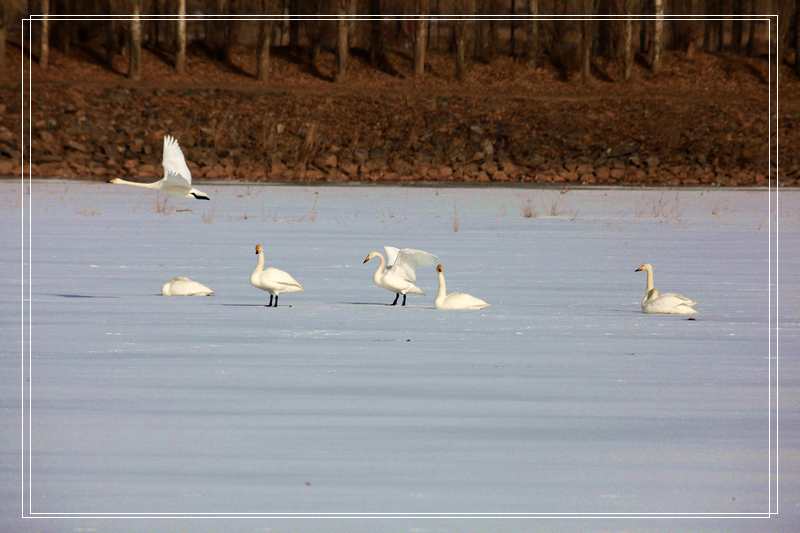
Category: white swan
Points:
column 455, row 300
column 182, row 286
column 668, row 303
column 399, row 275
column 272, row 280
column 177, row 180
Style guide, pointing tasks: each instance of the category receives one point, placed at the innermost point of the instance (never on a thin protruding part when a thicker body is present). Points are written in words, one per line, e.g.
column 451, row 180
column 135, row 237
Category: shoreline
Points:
column 437, row 185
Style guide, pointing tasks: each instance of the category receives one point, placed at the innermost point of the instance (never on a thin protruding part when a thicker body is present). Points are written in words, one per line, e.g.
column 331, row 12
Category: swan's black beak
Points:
column 638, row 270
column 366, row 259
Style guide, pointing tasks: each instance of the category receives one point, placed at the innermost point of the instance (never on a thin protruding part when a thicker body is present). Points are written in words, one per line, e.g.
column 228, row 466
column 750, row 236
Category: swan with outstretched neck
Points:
column 177, row 180
column 668, row 303
column 455, row 301
column 397, row 273
column 272, row 280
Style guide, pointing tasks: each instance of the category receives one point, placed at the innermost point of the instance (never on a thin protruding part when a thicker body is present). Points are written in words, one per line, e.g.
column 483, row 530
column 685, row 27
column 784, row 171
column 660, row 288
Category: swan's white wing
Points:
column 391, row 255
column 275, row 275
column 176, row 173
column 677, row 299
column 409, row 259
column 460, row 300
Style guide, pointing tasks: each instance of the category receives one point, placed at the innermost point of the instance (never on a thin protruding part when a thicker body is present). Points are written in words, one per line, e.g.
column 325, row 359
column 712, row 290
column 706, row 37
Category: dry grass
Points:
column 661, row 208
column 527, row 210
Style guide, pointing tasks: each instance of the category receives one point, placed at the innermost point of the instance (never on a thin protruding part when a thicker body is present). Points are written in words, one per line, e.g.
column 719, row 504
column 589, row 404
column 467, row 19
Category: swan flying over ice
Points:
column 398, row 274
column 177, row 180
column 668, row 303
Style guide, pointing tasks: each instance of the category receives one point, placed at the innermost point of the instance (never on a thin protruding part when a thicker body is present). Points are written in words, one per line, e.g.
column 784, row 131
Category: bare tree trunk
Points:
column 294, row 26
column 110, row 36
column 3, row 36
column 180, row 58
column 376, row 49
column 736, row 29
column 135, row 42
column 720, row 23
column 658, row 35
column 265, row 30
column 491, row 50
column 797, row 37
column 628, row 41
column 691, row 31
column 231, row 33
column 784, row 8
column 710, row 27
column 513, row 28
column 533, row 33
column 44, row 43
column 586, row 42
column 342, row 45
column 421, row 42
column 461, row 49
column 751, row 32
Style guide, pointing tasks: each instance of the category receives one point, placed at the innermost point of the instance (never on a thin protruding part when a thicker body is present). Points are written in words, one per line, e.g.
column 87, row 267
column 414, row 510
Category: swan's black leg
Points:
column 270, row 301
column 396, row 296
column 404, row 299
column 276, row 300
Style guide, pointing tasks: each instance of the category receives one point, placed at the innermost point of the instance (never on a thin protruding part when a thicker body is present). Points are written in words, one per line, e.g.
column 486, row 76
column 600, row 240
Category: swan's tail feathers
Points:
column 292, row 287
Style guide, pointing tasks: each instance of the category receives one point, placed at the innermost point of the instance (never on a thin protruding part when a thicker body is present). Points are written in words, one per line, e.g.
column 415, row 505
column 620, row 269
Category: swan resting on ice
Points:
column 272, row 280
column 668, row 303
column 398, row 274
column 183, row 286
column 455, row 300
column 177, row 180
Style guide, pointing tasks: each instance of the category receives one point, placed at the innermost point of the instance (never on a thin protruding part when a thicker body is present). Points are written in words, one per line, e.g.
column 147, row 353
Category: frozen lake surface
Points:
column 561, row 397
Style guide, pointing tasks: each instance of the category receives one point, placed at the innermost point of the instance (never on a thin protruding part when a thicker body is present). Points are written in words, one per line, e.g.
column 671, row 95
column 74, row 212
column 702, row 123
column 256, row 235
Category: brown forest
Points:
column 525, row 100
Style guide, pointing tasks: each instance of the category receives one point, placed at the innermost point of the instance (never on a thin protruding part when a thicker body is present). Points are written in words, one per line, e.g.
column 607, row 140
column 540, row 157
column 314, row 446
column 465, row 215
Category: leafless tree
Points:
column 135, row 42
column 44, row 38
column 751, row 34
column 421, row 41
column 736, row 28
column 797, row 37
column 230, row 34
column 180, row 58
column 658, row 35
column 264, row 42
column 111, row 45
column 461, row 40
column 3, row 37
column 586, row 42
column 627, row 41
column 533, row 33
column 342, row 42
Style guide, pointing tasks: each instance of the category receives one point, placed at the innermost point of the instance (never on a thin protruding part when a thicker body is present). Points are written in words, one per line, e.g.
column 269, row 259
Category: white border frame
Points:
column 26, row 408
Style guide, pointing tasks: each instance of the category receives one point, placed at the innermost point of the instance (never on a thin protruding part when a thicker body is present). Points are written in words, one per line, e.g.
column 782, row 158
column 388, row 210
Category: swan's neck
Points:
column 381, row 270
column 442, row 287
column 649, row 281
column 135, row 184
column 260, row 263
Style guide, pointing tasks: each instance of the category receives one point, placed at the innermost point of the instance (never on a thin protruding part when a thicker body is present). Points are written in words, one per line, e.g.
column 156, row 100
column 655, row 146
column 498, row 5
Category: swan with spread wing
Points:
column 177, row 180
column 397, row 273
